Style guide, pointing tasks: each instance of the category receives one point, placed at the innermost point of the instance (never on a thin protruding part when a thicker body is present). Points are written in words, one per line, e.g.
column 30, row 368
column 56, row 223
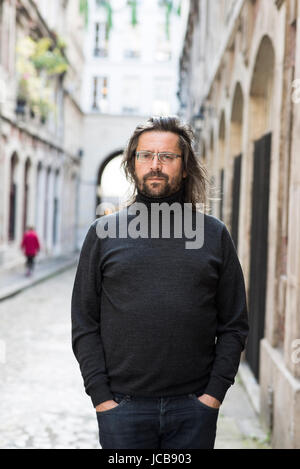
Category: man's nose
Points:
column 155, row 163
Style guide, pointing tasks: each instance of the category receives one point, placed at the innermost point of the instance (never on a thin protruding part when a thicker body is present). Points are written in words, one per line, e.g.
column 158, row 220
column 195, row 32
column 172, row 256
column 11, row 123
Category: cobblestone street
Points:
column 43, row 404
column 42, row 400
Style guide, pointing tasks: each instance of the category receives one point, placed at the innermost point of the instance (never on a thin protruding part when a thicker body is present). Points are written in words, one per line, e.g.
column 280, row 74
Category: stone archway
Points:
column 236, row 122
column 203, row 152
column 103, row 166
column 235, row 162
column 261, row 91
column 56, row 207
column 39, row 207
column 27, row 169
column 259, row 167
column 220, row 171
column 13, row 188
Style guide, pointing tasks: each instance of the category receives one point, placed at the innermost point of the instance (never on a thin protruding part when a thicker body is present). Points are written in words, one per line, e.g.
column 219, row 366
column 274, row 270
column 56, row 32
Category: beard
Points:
column 161, row 188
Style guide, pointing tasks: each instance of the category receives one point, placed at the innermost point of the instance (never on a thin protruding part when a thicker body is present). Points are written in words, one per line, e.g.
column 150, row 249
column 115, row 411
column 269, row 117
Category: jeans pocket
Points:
column 121, row 401
column 205, row 406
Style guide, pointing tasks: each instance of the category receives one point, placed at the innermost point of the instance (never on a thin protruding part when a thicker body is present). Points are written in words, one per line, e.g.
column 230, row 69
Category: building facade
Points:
column 40, row 137
column 132, row 53
column 239, row 89
column 131, row 72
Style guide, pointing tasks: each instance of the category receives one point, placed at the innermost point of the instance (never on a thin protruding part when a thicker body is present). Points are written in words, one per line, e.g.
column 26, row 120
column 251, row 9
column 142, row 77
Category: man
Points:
column 30, row 246
column 158, row 329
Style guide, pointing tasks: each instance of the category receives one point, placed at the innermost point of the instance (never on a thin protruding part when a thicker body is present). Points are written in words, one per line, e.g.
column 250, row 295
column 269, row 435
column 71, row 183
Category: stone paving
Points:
column 42, row 401
column 14, row 280
column 238, row 424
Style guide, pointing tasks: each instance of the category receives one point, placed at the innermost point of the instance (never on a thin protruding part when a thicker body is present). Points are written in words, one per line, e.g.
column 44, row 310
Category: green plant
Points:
column 84, row 10
column 109, row 15
column 51, row 60
column 170, row 7
column 37, row 61
column 133, row 5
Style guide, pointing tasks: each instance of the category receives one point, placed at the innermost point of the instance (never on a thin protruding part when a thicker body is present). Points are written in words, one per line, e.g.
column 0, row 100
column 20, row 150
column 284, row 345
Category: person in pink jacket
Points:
column 30, row 246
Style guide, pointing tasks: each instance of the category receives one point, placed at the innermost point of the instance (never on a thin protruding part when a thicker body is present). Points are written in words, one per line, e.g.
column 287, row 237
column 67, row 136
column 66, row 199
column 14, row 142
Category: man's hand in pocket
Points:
column 106, row 405
column 209, row 401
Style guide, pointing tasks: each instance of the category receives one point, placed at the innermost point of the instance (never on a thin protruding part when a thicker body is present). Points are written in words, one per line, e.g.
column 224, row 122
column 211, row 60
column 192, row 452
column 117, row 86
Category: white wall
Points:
column 146, row 70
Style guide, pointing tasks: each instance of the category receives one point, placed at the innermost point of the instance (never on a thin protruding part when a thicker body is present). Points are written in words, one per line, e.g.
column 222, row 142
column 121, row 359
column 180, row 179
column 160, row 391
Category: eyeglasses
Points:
column 164, row 157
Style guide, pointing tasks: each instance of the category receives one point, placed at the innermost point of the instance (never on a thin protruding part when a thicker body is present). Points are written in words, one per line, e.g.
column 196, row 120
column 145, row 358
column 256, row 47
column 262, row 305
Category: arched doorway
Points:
column 111, row 182
column 220, row 166
column 56, row 207
column 260, row 132
column 12, row 213
column 26, row 192
column 39, row 198
column 203, row 152
column 236, row 126
column 46, row 203
column 211, row 145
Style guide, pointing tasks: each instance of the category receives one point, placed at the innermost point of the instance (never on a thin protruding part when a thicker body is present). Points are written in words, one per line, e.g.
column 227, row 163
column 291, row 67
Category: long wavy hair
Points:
column 196, row 183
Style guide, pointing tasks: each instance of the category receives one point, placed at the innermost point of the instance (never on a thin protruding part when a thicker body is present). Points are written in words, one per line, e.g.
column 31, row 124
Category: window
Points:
column 162, row 96
column 101, row 42
column 163, row 44
column 100, row 94
column 132, row 41
column 131, row 95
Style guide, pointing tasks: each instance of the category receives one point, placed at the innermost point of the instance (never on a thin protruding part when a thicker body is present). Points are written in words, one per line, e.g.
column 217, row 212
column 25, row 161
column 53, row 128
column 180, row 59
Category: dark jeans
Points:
column 177, row 422
column 30, row 262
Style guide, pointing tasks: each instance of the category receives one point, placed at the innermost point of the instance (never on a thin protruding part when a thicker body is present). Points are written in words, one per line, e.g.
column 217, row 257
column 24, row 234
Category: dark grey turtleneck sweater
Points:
column 152, row 318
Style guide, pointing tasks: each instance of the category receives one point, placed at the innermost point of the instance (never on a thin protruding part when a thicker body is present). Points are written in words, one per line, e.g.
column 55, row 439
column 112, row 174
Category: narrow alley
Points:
column 43, row 403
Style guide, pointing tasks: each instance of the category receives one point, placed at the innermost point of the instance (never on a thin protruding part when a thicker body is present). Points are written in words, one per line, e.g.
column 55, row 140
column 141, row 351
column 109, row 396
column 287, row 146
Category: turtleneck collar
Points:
column 170, row 199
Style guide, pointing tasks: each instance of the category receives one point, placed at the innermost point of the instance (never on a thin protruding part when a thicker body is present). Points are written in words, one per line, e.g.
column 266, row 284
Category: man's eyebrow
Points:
column 161, row 151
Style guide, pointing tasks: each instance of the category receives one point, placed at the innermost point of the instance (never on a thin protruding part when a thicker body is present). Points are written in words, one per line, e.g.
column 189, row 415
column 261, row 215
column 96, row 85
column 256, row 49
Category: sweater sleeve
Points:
column 85, row 312
column 232, row 321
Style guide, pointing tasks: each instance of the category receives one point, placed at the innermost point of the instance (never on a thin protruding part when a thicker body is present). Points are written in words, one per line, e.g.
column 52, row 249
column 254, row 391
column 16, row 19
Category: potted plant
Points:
column 37, row 62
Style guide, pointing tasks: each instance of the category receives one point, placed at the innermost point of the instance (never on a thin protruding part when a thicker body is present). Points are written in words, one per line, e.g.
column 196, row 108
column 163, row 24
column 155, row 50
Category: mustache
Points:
column 152, row 174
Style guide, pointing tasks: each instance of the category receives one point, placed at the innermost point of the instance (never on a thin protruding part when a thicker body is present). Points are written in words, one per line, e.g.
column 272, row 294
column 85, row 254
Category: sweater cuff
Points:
column 100, row 394
column 217, row 388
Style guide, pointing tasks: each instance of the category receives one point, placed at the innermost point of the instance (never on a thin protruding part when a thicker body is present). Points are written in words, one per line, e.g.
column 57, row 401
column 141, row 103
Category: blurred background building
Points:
column 41, row 121
column 131, row 72
column 238, row 88
column 77, row 76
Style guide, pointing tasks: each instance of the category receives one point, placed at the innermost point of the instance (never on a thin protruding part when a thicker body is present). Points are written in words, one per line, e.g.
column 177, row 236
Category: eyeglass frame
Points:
column 158, row 155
